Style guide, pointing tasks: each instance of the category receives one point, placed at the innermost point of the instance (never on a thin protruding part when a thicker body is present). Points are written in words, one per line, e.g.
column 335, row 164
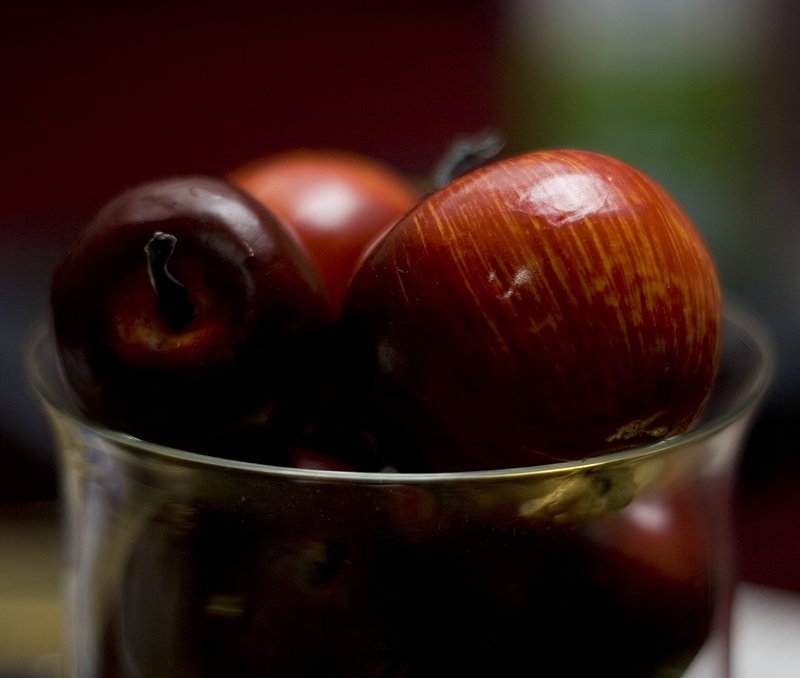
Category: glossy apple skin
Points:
column 337, row 203
column 246, row 363
column 551, row 306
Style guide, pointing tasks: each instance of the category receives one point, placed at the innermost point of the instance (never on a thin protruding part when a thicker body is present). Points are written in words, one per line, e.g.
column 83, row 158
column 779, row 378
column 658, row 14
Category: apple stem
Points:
column 173, row 298
column 466, row 153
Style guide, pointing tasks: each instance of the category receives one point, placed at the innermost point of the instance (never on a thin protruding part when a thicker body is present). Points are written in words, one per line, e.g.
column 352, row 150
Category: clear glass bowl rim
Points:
column 749, row 327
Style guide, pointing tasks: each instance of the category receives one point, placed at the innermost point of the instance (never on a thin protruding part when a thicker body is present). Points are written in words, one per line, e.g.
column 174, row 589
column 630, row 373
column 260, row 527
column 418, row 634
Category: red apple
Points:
column 551, row 306
column 186, row 313
column 337, row 202
column 660, row 540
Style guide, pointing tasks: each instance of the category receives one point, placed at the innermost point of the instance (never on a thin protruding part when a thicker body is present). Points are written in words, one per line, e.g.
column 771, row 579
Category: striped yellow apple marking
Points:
column 639, row 427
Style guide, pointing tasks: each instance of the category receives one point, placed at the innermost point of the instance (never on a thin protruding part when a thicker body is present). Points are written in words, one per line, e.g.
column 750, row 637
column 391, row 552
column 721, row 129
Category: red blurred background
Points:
column 97, row 97
column 102, row 96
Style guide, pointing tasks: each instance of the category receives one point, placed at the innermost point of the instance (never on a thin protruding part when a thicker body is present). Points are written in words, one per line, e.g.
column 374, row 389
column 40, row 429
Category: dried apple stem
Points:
column 466, row 153
column 173, row 298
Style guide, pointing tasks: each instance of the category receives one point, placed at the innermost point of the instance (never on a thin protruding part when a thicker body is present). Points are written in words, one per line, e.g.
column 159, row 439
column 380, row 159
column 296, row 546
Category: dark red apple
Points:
column 660, row 540
column 336, row 201
column 551, row 306
column 186, row 313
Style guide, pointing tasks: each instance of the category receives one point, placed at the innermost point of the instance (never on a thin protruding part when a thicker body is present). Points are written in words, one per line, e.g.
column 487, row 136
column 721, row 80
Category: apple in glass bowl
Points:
column 337, row 202
column 547, row 307
column 187, row 314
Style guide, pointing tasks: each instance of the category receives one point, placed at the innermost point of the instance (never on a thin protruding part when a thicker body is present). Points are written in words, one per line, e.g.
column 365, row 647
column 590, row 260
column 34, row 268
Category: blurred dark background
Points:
column 703, row 95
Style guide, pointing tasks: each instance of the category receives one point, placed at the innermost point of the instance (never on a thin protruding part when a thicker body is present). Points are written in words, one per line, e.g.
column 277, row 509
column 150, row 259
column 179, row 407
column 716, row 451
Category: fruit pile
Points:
column 314, row 309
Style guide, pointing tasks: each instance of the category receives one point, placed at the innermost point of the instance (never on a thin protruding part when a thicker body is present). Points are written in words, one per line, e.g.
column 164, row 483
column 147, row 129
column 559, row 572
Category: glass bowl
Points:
column 179, row 564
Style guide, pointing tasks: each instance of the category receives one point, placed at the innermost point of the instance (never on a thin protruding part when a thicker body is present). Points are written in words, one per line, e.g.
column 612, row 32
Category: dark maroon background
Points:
column 99, row 96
